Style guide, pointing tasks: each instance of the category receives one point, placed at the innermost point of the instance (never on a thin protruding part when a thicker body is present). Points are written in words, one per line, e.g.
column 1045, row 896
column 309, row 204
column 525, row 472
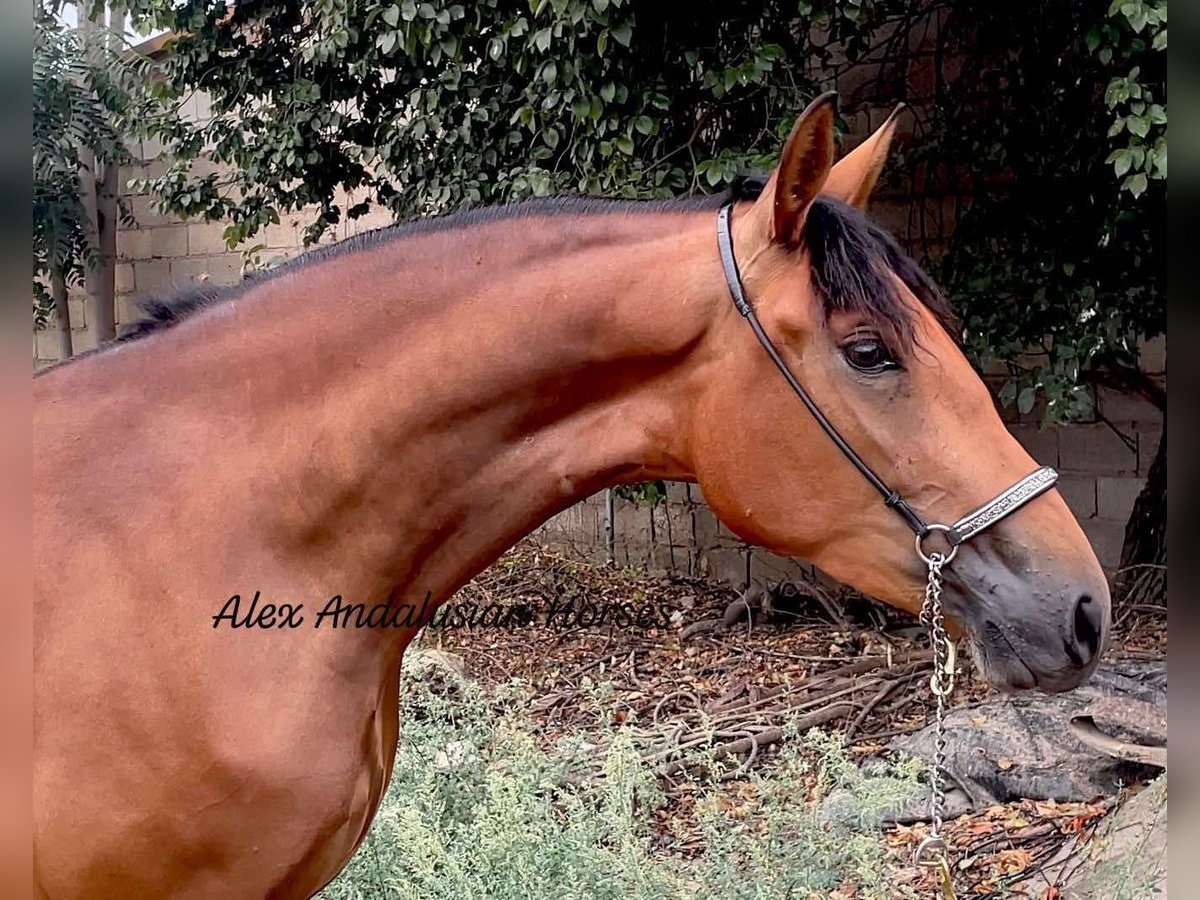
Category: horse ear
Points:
column 854, row 176
column 804, row 166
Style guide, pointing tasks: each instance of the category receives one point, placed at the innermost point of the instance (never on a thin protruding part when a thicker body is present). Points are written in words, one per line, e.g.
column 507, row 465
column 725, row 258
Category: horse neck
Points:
column 466, row 386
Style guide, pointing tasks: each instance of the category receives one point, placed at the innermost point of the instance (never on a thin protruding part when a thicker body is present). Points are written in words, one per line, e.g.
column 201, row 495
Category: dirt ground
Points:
column 841, row 662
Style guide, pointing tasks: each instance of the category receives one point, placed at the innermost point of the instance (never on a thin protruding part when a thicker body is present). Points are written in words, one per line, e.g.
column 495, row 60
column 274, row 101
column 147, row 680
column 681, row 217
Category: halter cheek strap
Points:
column 987, row 515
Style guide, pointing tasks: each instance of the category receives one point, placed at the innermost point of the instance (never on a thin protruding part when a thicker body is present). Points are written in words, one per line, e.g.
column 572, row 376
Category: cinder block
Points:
column 46, row 342
column 152, row 148
column 1148, row 442
column 206, row 238
column 128, row 310
column 84, row 340
column 767, row 566
column 666, row 558
column 633, row 526
column 144, row 212
column 858, row 83
column 939, row 217
column 123, row 278
column 284, row 236
column 133, row 243
column 187, row 109
column 226, row 268
column 893, row 215
column 678, row 521
column 1115, row 497
column 1127, row 409
column 924, row 33
column 153, row 169
column 77, row 310
column 858, row 125
column 217, row 269
column 203, row 106
column 728, row 565
column 1095, row 449
column 1040, row 443
column 169, row 242
column 677, row 492
column 705, row 525
column 1107, row 538
column 1079, row 491
column 922, row 77
column 378, row 217
column 1153, row 355
column 152, row 276
column 189, row 271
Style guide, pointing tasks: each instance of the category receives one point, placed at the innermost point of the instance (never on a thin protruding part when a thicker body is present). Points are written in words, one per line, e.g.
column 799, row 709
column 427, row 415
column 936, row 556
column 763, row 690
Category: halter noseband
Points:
column 1004, row 504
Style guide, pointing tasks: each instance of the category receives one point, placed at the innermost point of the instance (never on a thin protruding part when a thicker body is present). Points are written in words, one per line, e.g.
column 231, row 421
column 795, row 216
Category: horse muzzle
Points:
column 1029, row 629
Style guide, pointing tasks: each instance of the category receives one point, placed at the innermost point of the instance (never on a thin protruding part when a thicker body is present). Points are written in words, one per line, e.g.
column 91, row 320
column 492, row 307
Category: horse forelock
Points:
column 858, row 266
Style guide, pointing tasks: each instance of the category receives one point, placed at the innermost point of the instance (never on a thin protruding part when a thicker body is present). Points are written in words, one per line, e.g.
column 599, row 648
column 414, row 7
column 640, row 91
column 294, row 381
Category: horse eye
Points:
column 867, row 353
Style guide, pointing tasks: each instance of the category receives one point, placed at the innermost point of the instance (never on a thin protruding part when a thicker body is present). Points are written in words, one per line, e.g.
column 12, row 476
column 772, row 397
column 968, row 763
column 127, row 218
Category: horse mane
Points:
column 856, row 264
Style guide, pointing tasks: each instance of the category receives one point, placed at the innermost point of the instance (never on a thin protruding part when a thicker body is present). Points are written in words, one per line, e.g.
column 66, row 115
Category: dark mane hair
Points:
column 857, row 266
column 855, row 262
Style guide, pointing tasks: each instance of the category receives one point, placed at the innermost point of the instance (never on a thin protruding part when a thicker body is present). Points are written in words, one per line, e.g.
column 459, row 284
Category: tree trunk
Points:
column 98, row 195
column 1142, row 577
column 62, row 312
column 104, row 299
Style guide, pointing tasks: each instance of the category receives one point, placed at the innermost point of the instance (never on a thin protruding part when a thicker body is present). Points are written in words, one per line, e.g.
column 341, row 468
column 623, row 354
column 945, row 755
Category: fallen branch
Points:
column 764, row 738
column 1086, row 731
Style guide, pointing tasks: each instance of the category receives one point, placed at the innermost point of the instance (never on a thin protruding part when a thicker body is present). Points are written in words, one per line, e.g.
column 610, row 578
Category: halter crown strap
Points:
column 965, row 528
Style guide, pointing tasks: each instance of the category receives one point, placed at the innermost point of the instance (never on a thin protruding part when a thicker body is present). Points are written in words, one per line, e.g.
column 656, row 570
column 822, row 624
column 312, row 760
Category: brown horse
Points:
column 385, row 418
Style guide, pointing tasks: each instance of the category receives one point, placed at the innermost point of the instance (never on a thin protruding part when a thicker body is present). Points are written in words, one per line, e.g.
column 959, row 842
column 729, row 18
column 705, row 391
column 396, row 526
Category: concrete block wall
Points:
column 159, row 255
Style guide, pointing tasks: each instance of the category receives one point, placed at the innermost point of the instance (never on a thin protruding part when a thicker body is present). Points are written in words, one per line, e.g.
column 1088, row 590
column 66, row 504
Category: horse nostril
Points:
column 1088, row 622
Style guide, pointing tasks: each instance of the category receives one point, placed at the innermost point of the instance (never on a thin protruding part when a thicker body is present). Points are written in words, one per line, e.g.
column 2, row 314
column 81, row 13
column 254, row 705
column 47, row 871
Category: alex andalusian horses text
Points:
column 384, row 418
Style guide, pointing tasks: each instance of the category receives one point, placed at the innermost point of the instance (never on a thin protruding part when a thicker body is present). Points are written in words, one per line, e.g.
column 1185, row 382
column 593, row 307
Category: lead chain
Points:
column 932, row 851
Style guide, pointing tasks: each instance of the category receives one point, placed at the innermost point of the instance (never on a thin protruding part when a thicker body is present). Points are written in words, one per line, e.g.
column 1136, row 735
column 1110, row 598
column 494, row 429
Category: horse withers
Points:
column 383, row 418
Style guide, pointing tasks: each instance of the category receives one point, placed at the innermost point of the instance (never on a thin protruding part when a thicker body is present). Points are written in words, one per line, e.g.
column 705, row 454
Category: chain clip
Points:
column 933, row 852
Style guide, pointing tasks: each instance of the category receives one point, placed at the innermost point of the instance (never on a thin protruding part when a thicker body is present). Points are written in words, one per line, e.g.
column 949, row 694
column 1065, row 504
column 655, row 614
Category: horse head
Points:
column 870, row 337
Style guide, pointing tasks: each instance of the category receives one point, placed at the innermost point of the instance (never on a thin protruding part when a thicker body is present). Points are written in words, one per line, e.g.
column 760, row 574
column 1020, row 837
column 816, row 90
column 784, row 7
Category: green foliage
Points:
column 1135, row 28
column 425, row 106
column 647, row 493
column 84, row 102
column 1058, row 269
column 476, row 810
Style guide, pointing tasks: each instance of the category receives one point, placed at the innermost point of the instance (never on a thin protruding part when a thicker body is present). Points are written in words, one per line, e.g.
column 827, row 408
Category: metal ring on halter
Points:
column 943, row 558
column 927, row 850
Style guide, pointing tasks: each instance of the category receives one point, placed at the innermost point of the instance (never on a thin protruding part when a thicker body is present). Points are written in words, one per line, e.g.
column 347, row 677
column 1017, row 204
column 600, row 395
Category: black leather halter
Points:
column 968, row 526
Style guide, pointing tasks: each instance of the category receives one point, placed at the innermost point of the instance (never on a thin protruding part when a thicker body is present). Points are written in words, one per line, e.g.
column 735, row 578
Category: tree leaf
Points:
column 1136, row 184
